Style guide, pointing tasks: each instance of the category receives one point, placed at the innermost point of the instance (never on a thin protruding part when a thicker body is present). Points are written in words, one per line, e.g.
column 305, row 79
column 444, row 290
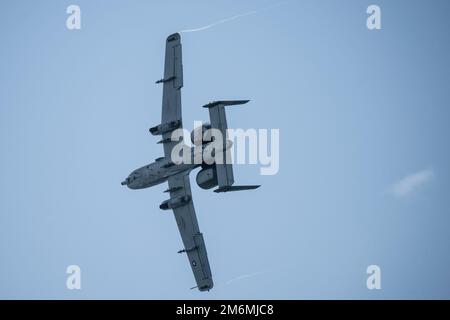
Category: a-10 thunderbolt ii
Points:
column 177, row 175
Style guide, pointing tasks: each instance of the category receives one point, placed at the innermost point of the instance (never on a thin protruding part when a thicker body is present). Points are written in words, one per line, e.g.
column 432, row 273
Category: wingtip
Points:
column 173, row 37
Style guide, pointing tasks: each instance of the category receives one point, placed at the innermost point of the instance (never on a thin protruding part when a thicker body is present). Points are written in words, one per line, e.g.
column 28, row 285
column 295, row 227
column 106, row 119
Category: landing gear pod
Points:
column 166, row 127
column 175, row 202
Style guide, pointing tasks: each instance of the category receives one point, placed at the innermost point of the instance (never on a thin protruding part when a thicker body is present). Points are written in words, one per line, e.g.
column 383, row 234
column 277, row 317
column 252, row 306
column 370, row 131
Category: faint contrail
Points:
column 233, row 18
column 245, row 276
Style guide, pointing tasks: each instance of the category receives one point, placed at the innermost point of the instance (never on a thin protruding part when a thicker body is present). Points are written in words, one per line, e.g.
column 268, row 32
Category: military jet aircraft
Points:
column 177, row 175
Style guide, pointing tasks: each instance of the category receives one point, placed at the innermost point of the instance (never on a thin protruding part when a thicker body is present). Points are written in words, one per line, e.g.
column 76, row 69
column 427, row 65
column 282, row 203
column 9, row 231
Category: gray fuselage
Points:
column 155, row 173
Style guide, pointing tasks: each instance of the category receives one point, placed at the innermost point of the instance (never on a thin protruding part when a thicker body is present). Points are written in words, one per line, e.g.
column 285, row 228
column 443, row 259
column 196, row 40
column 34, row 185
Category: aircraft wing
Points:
column 172, row 84
column 194, row 245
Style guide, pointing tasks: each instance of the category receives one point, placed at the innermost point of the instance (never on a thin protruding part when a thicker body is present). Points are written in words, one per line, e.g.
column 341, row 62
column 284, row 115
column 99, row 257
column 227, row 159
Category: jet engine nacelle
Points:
column 207, row 178
column 175, row 202
column 198, row 136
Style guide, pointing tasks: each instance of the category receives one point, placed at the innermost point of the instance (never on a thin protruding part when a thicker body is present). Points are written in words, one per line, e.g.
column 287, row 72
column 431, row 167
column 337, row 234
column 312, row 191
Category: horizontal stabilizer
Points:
column 236, row 188
column 225, row 103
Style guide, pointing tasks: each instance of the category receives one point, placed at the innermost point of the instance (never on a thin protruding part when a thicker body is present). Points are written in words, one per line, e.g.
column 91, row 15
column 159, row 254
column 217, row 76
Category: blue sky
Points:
column 362, row 114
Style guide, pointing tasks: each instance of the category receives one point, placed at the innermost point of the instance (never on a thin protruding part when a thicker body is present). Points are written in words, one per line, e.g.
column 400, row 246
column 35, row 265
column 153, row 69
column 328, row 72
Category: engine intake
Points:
column 207, row 178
